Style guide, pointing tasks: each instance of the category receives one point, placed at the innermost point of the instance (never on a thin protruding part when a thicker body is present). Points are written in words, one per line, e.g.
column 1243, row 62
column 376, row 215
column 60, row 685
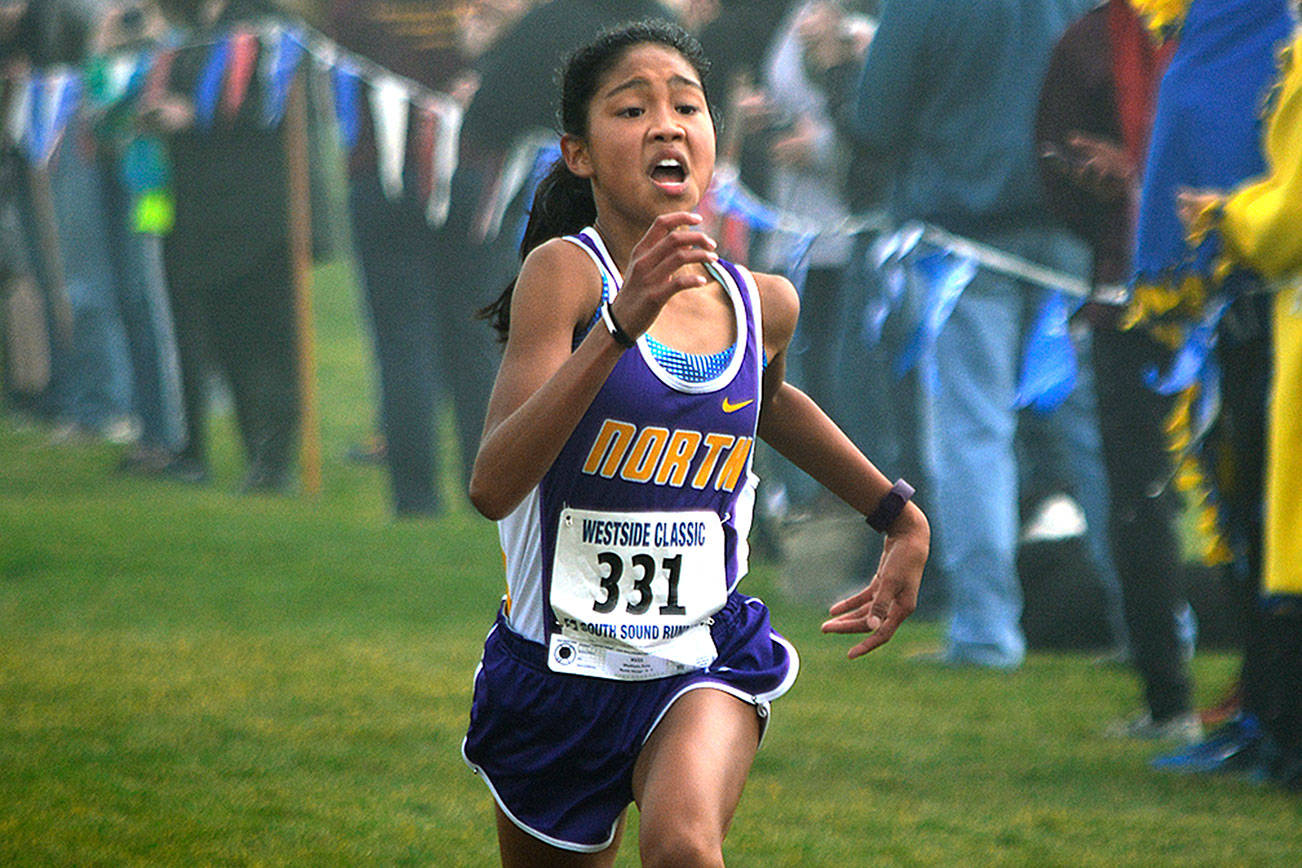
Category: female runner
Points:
column 616, row 457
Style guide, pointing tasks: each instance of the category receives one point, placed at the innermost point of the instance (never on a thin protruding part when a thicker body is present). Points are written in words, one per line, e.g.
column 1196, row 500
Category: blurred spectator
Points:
column 25, row 342
column 90, row 391
column 879, row 408
column 935, row 75
column 734, row 34
column 807, row 180
column 227, row 259
column 404, row 277
column 1092, row 132
column 133, row 165
column 806, row 162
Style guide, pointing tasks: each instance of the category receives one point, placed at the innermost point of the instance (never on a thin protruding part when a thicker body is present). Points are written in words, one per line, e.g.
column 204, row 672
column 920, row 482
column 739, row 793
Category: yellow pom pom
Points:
column 1217, row 552
column 1161, row 15
column 1189, row 477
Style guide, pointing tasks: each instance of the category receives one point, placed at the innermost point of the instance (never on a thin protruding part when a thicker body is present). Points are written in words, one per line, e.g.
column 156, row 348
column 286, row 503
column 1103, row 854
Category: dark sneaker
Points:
column 1236, row 746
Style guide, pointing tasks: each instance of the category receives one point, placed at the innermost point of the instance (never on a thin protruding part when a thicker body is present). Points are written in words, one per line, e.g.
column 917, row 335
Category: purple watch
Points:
column 890, row 506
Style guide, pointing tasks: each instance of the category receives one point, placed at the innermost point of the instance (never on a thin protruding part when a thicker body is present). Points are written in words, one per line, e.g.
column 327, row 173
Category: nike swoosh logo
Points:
column 729, row 407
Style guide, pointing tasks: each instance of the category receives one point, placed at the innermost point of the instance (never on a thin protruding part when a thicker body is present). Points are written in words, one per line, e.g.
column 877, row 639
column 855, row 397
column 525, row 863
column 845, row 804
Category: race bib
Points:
column 633, row 592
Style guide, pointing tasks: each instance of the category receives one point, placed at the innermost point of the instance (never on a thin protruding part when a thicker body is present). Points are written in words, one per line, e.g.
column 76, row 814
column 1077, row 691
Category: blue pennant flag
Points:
column 209, row 89
column 735, row 200
column 35, row 139
column 140, row 75
column 285, row 54
column 347, row 83
column 1049, row 363
column 1191, row 359
column 54, row 100
column 886, row 256
column 543, row 161
column 944, row 275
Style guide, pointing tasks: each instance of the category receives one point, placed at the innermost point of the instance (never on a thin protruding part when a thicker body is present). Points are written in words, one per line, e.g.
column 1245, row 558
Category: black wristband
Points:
column 621, row 337
column 890, row 506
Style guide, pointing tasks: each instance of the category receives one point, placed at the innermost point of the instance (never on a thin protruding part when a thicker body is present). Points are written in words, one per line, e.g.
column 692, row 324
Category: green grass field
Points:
column 188, row 677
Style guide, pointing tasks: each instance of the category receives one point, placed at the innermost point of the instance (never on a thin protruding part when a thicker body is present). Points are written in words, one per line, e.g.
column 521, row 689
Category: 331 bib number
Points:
column 644, row 569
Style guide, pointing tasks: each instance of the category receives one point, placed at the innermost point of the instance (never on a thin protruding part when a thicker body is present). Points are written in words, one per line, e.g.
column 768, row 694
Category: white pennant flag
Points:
column 118, row 73
column 269, row 39
column 20, row 109
column 390, row 107
column 444, row 159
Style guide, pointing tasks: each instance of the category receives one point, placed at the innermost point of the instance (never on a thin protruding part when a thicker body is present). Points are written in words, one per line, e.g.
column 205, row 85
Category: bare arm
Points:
column 794, row 425
column 542, row 388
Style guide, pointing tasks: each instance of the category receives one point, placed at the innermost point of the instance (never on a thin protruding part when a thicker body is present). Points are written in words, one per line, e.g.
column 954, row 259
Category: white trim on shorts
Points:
column 524, row 827
column 762, row 702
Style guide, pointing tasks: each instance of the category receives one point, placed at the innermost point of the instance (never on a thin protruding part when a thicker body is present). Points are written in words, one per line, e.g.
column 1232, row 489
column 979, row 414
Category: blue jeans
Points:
column 97, row 385
column 137, row 260
column 970, row 431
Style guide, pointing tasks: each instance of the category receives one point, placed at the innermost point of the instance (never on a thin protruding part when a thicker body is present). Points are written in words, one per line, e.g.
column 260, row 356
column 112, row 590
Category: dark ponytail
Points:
column 563, row 204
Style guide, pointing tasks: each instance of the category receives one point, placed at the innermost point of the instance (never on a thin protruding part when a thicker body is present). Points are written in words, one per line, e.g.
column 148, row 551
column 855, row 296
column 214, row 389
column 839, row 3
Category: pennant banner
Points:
column 943, row 275
column 390, row 110
column 1049, row 361
column 242, row 65
column 52, row 100
column 542, row 164
column 797, row 269
column 208, row 91
column 347, row 84
column 443, row 157
column 1191, row 359
column 279, row 63
column 521, row 166
column 19, row 118
column 886, row 257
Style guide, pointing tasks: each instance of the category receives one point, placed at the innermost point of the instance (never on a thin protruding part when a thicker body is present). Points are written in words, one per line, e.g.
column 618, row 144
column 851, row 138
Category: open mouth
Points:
column 669, row 174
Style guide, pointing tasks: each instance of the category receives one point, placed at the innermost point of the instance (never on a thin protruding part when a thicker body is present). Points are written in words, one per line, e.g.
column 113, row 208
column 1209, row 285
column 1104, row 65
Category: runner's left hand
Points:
column 892, row 595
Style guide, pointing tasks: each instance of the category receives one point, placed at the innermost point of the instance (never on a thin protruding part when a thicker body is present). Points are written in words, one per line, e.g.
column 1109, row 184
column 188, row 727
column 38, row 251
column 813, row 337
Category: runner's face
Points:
column 650, row 143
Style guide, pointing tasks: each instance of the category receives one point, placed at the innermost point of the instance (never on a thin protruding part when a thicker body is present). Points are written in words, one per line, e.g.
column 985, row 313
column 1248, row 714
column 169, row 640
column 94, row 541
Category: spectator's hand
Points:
column 892, row 595
column 829, row 37
column 463, row 88
column 754, row 110
column 168, row 114
column 1100, row 166
column 10, row 15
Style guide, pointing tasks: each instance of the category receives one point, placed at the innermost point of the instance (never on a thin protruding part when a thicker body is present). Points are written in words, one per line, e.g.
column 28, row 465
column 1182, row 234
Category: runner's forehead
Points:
column 643, row 64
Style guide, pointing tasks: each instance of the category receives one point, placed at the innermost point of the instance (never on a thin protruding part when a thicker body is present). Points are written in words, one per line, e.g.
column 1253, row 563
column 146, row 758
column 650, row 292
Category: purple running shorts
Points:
column 558, row 750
